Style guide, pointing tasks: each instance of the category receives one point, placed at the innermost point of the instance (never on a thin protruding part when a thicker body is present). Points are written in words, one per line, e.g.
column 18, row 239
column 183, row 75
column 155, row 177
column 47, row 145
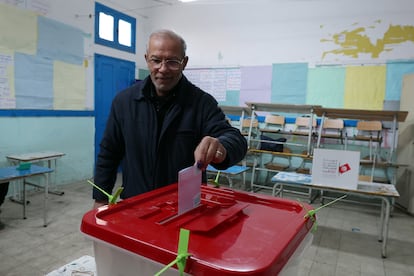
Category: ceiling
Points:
column 138, row 8
column 141, row 7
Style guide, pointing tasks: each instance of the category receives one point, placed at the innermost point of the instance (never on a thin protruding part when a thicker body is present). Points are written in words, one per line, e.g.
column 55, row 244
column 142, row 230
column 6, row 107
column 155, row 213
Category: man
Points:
column 4, row 188
column 163, row 124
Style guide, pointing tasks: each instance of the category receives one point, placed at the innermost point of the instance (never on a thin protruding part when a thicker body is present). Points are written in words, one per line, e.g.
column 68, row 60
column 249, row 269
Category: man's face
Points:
column 165, row 62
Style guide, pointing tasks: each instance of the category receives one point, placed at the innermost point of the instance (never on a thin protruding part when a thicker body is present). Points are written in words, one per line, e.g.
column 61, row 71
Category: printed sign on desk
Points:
column 335, row 168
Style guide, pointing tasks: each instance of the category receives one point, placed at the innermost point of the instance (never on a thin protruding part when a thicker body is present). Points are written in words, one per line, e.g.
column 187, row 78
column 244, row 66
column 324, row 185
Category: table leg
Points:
column 45, row 201
column 24, row 199
column 385, row 227
column 253, row 175
column 382, row 221
column 244, row 163
column 55, row 191
column 17, row 191
column 313, row 198
column 17, row 196
column 230, row 181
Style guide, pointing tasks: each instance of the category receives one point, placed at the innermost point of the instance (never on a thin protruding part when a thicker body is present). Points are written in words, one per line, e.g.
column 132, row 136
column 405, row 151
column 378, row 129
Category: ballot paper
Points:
column 85, row 265
column 189, row 189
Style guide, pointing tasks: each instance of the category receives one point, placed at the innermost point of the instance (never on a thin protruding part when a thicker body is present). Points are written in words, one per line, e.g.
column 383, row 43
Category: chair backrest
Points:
column 302, row 123
column 273, row 123
column 337, row 124
column 245, row 126
column 366, row 178
column 246, row 123
column 369, row 125
column 246, row 131
column 369, row 129
column 272, row 119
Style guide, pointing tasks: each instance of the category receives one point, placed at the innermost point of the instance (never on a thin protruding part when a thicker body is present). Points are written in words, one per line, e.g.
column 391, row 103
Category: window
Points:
column 114, row 29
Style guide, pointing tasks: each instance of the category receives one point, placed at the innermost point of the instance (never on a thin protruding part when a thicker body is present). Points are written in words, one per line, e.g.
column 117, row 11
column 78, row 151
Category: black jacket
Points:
column 147, row 162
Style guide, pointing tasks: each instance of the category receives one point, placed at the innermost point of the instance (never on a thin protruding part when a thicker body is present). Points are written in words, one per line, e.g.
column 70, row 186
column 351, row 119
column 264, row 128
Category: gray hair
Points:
column 170, row 34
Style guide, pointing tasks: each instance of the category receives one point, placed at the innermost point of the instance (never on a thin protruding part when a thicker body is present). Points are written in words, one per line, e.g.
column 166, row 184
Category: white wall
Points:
column 265, row 32
column 405, row 150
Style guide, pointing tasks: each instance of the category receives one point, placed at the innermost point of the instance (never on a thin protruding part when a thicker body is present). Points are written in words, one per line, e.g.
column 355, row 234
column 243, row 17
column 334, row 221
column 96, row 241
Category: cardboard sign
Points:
column 335, row 168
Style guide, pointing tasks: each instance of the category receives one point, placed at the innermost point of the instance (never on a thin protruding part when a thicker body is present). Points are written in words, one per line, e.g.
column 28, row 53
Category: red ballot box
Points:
column 231, row 233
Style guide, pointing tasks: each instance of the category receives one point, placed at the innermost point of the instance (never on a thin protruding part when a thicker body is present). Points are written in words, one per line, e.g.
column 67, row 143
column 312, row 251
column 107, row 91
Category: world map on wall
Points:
column 357, row 41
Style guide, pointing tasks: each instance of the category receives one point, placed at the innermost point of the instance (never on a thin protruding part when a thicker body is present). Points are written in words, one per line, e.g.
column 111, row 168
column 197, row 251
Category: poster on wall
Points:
column 39, row 6
column 215, row 81
column 41, row 60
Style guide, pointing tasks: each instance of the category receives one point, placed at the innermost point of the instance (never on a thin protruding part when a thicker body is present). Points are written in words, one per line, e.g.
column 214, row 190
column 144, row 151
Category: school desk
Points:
column 13, row 173
column 385, row 192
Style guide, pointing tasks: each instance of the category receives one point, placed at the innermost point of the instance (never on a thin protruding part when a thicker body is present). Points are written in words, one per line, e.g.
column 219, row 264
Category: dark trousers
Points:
column 4, row 188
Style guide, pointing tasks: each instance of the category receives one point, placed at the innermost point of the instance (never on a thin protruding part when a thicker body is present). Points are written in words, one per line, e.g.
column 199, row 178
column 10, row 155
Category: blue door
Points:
column 112, row 75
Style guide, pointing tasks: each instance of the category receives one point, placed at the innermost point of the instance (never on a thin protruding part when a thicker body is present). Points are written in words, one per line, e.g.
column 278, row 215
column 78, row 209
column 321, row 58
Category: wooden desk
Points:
column 286, row 108
column 385, row 192
column 241, row 111
column 236, row 110
column 36, row 157
column 259, row 166
column 9, row 174
column 361, row 114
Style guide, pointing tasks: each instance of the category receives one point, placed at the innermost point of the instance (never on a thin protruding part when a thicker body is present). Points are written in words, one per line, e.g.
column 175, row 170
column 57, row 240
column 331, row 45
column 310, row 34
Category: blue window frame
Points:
column 114, row 29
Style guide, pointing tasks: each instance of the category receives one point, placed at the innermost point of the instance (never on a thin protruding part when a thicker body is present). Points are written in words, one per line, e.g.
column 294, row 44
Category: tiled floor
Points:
column 345, row 242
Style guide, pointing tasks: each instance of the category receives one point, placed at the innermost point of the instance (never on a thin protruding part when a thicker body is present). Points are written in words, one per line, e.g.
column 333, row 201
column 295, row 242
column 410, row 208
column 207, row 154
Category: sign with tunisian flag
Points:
column 336, row 168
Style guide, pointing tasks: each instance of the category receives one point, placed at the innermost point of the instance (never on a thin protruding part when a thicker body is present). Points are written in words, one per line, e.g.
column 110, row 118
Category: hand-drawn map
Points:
column 357, row 41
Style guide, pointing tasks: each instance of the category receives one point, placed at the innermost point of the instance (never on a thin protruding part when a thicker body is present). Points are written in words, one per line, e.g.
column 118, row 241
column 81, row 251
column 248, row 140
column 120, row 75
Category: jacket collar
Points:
column 147, row 86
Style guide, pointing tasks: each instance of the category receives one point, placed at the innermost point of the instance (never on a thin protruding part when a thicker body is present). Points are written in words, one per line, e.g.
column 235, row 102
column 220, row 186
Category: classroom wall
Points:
column 219, row 34
column 71, row 134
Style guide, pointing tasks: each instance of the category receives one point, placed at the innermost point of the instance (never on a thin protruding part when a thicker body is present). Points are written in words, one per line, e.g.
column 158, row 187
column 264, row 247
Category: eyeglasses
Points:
column 172, row 64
